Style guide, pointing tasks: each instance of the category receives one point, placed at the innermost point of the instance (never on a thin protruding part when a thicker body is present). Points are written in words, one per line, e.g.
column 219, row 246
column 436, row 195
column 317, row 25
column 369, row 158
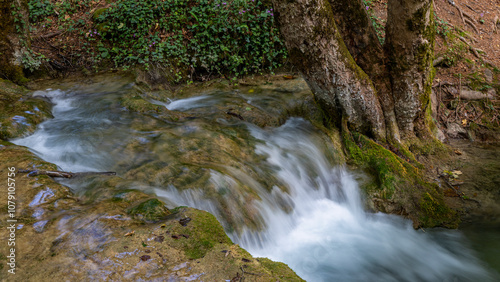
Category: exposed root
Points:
column 472, row 24
column 466, row 18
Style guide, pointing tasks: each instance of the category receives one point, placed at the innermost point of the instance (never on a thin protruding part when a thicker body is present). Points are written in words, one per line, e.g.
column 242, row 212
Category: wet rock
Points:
column 149, row 210
column 19, row 112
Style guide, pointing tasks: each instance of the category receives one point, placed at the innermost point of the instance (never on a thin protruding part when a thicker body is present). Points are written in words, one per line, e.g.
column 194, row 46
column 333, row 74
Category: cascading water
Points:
column 312, row 218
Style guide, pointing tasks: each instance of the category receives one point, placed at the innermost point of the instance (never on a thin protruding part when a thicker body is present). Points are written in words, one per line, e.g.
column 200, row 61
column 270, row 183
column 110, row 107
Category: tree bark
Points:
column 363, row 44
column 335, row 47
column 409, row 47
column 14, row 38
column 316, row 47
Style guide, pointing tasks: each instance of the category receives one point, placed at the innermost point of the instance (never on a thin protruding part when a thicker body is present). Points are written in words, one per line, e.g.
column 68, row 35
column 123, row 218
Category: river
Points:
column 278, row 191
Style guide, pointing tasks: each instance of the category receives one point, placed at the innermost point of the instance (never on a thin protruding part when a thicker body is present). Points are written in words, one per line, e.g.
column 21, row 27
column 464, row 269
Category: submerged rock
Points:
column 149, row 210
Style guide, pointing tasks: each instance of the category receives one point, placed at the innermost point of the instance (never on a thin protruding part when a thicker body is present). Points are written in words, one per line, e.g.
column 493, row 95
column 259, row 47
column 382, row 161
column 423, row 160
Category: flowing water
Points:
column 277, row 190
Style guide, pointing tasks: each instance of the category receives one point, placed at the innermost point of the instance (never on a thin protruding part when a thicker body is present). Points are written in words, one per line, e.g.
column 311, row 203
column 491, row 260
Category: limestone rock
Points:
column 454, row 130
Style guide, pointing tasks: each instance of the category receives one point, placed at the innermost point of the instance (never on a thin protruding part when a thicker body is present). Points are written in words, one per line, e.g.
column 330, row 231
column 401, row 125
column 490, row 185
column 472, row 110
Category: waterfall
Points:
column 313, row 219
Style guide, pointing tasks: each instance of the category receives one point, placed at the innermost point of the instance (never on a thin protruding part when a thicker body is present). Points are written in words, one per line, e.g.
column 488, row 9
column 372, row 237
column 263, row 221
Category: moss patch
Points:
column 400, row 185
column 19, row 113
column 279, row 269
column 149, row 210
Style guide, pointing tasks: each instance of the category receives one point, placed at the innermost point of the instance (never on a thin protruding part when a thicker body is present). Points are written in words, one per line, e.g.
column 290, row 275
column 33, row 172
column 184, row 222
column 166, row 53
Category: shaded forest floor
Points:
column 467, row 61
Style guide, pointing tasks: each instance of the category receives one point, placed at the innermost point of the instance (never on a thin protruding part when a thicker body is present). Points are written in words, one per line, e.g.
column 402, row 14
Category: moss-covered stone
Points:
column 149, row 210
column 280, row 269
column 400, row 185
column 203, row 232
column 19, row 113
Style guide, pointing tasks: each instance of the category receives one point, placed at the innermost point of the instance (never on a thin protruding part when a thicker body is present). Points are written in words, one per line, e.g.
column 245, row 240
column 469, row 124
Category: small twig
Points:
column 470, row 8
column 63, row 174
column 234, row 114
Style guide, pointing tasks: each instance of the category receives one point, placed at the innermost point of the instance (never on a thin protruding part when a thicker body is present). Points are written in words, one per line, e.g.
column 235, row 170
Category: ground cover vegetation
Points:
column 192, row 39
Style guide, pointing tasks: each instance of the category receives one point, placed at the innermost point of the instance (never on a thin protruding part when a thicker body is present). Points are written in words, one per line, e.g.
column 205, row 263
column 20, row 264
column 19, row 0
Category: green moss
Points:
column 398, row 177
column 203, row 232
column 383, row 164
column 149, row 210
column 279, row 269
column 435, row 212
column 20, row 114
column 177, row 209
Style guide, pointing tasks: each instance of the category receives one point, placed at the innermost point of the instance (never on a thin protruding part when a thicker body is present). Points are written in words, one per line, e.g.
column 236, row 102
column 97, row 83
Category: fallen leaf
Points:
column 464, row 122
column 288, row 76
column 145, row 257
column 458, row 152
column 251, row 91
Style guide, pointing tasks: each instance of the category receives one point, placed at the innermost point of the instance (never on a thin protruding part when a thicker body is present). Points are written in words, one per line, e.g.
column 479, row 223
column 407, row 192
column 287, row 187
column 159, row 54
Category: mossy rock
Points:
column 399, row 184
column 203, row 232
column 150, row 210
column 279, row 269
column 19, row 113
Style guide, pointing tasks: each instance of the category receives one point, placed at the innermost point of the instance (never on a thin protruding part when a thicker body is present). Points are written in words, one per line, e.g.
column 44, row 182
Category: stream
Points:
column 278, row 191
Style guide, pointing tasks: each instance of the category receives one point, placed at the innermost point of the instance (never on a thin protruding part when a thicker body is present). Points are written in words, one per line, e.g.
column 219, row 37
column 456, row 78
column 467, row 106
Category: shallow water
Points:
column 277, row 191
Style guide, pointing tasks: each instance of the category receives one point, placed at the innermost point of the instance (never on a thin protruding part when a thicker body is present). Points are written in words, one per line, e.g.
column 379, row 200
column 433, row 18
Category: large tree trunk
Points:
column 410, row 46
column 363, row 43
column 14, row 38
column 316, row 47
column 335, row 47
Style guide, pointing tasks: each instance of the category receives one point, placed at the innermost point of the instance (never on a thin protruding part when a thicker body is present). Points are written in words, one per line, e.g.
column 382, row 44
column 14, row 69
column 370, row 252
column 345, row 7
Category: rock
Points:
column 488, row 75
column 454, row 130
column 440, row 135
column 492, row 93
column 149, row 210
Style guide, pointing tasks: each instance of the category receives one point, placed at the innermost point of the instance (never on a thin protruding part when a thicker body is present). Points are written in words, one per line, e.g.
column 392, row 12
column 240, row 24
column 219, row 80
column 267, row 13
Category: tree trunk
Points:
column 335, row 47
column 410, row 46
column 362, row 42
column 316, row 47
column 14, row 38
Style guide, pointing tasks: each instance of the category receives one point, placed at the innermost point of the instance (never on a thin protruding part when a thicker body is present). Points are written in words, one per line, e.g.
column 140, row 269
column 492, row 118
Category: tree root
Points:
column 468, row 19
column 472, row 24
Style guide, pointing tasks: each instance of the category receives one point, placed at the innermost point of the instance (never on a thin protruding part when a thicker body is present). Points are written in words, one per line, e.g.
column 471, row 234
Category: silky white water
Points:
column 313, row 217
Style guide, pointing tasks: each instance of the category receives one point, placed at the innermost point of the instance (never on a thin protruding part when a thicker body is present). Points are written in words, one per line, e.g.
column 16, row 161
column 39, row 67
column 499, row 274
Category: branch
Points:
column 63, row 174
